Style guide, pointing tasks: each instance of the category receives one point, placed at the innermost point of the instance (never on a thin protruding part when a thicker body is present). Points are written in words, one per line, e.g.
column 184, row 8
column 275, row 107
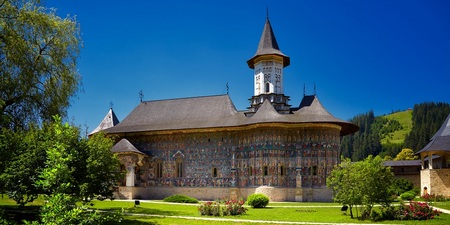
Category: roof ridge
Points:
column 182, row 98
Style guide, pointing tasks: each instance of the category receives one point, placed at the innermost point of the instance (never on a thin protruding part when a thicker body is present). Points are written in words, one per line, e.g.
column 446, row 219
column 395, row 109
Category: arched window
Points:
column 282, row 172
column 250, row 171
column 179, row 168
column 267, row 87
column 214, row 172
column 159, row 169
column 266, row 171
column 123, row 169
column 314, row 170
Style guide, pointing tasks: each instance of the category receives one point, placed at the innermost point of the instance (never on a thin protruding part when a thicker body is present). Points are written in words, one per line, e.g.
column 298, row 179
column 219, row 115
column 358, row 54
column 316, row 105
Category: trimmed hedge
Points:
column 257, row 200
column 409, row 195
column 180, row 199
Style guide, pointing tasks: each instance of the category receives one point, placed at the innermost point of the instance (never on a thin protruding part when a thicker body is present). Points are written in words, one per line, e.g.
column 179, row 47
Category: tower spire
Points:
column 267, row 64
column 268, row 45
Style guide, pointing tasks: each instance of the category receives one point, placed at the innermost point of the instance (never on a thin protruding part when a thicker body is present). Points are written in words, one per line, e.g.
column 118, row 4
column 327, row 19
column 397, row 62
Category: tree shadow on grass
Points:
column 268, row 207
column 149, row 211
column 19, row 213
column 134, row 222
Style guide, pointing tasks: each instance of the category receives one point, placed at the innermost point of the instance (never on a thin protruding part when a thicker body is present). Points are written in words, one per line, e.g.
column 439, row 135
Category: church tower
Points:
column 268, row 63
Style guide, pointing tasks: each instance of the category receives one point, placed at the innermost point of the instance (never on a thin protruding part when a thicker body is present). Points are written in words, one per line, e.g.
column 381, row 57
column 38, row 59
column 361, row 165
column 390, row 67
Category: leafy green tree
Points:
column 57, row 180
column 344, row 185
column 38, row 53
column 364, row 183
column 86, row 167
column 375, row 183
column 23, row 164
column 8, row 139
column 406, row 154
column 401, row 185
column 101, row 168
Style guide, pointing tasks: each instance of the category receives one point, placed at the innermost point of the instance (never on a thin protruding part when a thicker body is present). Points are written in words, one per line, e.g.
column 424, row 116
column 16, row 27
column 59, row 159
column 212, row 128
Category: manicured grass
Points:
column 303, row 212
column 442, row 205
column 158, row 212
column 5, row 200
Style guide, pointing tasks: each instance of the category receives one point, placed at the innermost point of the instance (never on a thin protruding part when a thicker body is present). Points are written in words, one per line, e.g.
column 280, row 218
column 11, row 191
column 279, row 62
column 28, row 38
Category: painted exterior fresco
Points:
column 280, row 157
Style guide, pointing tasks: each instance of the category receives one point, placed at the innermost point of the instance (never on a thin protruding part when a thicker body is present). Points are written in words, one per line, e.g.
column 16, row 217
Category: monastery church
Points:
column 205, row 148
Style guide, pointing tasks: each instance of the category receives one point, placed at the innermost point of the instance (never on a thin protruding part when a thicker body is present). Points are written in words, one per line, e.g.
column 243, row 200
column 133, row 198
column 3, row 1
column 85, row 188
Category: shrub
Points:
column 416, row 190
column 210, row 209
column 390, row 213
column 401, row 185
column 257, row 200
column 412, row 211
column 376, row 216
column 4, row 218
column 418, row 211
column 63, row 209
column 234, row 207
column 408, row 195
column 230, row 208
column 180, row 199
column 434, row 198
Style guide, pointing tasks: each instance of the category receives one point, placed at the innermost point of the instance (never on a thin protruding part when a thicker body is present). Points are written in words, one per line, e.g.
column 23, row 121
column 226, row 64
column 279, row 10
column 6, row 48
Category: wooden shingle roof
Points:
column 218, row 112
column 124, row 146
column 182, row 113
column 268, row 46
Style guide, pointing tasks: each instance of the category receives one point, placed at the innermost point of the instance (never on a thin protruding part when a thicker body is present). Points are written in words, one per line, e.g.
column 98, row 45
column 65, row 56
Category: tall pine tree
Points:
column 427, row 118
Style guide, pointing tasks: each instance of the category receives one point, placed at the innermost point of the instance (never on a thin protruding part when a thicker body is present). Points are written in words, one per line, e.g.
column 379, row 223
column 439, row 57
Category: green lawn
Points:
column 158, row 212
column 292, row 212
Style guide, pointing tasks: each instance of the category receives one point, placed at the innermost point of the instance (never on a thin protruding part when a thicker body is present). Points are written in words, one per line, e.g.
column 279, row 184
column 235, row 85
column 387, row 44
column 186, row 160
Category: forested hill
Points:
column 387, row 135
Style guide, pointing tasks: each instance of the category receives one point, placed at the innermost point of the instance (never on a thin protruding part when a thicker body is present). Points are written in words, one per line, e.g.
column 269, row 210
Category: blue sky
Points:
column 361, row 55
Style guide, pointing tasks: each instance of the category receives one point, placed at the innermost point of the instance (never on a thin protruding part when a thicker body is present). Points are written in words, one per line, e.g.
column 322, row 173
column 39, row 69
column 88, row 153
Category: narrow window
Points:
column 250, row 171
column 267, row 87
column 314, row 170
column 266, row 171
column 159, row 169
column 179, row 168
column 214, row 172
column 123, row 169
column 282, row 170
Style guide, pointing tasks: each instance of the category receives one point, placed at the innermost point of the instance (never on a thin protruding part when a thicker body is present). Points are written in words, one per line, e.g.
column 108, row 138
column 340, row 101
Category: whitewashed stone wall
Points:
column 437, row 181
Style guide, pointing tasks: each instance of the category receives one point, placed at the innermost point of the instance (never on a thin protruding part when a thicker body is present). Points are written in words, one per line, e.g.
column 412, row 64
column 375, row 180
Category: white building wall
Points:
column 268, row 72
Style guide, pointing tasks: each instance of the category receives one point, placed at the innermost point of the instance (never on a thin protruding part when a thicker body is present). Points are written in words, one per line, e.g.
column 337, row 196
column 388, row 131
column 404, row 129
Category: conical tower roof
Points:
column 268, row 46
column 109, row 121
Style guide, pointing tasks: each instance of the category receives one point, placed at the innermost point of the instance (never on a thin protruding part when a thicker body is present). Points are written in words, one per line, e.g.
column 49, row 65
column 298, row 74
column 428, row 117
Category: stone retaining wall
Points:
column 275, row 194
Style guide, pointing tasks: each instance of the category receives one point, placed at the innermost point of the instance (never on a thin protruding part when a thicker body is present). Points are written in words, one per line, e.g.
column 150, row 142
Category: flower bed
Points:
column 228, row 208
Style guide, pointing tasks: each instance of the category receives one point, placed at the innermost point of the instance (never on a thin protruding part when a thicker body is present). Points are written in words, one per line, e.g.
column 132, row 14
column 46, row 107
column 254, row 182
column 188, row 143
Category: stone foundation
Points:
column 275, row 194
